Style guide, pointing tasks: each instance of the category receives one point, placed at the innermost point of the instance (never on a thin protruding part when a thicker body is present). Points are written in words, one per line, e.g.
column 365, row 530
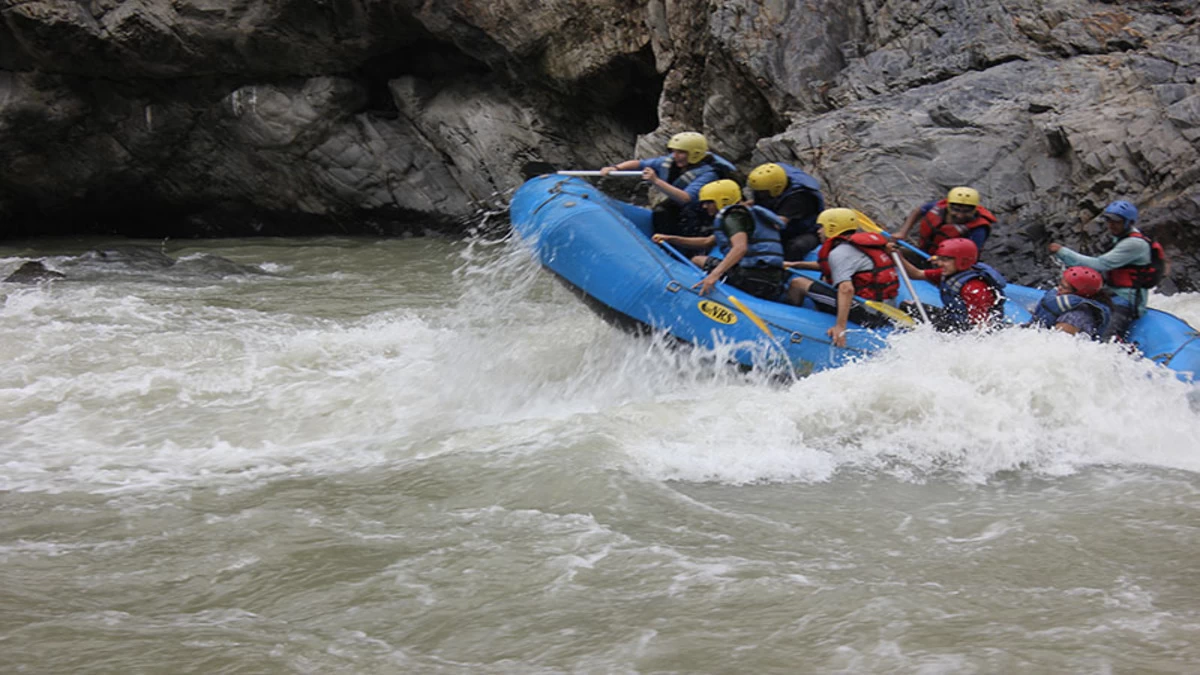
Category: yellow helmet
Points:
column 694, row 143
column 768, row 178
column 837, row 221
column 723, row 192
column 963, row 195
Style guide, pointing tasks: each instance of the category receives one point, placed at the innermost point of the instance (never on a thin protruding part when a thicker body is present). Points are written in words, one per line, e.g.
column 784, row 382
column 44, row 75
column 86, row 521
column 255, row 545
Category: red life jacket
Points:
column 1141, row 276
column 882, row 282
column 935, row 229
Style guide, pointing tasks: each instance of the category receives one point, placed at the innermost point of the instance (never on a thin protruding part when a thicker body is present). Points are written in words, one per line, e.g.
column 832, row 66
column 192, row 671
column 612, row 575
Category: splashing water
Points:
column 429, row 456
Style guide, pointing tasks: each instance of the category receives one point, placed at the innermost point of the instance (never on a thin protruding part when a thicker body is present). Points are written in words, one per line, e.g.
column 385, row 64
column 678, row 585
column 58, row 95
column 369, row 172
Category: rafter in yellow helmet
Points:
column 693, row 142
column 769, row 178
column 963, row 195
column 838, row 221
column 723, row 192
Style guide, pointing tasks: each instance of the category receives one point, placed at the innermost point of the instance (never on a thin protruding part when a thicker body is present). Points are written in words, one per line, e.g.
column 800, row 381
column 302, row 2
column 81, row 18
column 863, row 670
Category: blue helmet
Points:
column 1122, row 209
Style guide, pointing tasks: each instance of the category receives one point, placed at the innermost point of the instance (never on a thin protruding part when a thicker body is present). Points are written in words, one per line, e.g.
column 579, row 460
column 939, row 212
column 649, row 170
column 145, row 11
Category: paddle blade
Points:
column 870, row 225
column 896, row 315
column 762, row 325
column 867, row 223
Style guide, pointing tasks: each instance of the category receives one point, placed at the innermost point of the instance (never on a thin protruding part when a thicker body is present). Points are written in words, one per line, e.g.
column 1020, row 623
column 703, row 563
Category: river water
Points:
column 380, row 456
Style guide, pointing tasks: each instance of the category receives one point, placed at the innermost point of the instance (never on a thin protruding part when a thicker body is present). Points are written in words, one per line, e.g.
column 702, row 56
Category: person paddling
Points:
column 795, row 197
column 971, row 291
column 680, row 176
column 748, row 238
column 960, row 214
column 1078, row 305
column 1133, row 264
column 853, row 263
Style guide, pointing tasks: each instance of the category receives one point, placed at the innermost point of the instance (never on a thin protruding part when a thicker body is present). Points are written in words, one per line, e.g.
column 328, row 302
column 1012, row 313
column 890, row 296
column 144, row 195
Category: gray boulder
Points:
column 385, row 116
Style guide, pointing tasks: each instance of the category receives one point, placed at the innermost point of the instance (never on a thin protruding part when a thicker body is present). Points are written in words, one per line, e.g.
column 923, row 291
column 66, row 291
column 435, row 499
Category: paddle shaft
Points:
column 905, row 244
column 754, row 318
column 871, row 226
column 599, row 173
column 909, row 285
column 892, row 313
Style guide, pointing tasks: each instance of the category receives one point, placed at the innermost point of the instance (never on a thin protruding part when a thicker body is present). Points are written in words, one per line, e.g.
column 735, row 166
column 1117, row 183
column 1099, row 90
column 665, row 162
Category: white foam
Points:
column 124, row 386
column 973, row 407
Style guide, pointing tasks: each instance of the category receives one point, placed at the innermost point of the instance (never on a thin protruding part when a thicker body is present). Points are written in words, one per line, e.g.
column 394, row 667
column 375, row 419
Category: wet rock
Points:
column 132, row 257
column 282, row 117
column 135, row 261
column 33, row 272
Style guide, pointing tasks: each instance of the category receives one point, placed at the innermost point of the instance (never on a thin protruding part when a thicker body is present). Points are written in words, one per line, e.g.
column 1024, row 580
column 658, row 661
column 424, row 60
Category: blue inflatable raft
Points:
column 601, row 248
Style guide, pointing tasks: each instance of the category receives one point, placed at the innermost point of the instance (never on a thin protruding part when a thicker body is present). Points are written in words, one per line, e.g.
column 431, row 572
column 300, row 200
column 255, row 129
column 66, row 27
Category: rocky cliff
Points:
column 198, row 117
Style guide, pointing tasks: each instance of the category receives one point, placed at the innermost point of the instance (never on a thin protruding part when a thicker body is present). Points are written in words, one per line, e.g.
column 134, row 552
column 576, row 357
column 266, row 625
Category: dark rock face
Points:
column 285, row 117
column 32, row 272
column 195, row 118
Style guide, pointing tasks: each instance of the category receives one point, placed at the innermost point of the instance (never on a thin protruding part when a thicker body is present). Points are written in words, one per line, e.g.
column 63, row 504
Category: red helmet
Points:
column 1085, row 280
column 963, row 252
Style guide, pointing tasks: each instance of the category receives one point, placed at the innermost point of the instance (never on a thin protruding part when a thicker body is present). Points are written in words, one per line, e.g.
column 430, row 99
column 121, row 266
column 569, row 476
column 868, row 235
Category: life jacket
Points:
column 711, row 167
column 1052, row 305
column 723, row 167
column 689, row 175
column 766, row 246
column 882, row 282
column 799, row 181
column 1140, row 276
column 935, row 228
column 954, row 315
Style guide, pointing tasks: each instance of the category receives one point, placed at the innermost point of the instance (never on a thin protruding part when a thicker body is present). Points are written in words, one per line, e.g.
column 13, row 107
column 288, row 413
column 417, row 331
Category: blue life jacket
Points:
column 765, row 248
column 954, row 314
column 1052, row 305
column 799, row 181
column 712, row 167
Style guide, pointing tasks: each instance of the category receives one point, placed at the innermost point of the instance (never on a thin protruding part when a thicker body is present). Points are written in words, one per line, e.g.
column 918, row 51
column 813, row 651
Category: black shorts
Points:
column 824, row 297
column 761, row 282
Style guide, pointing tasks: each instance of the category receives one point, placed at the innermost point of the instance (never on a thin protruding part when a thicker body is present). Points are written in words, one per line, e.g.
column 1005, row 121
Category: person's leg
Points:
column 797, row 289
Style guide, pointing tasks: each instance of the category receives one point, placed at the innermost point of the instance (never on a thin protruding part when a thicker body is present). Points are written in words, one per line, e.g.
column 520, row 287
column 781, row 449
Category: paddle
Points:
column 599, row 173
column 762, row 325
column 754, row 318
column 870, row 225
column 894, row 314
column 538, row 168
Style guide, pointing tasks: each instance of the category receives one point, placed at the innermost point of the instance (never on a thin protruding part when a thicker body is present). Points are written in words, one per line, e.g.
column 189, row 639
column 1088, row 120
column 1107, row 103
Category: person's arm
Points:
column 796, row 206
column 1126, row 252
column 802, row 264
column 910, row 269
column 692, row 242
column 739, row 243
column 679, row 196
column 913, row 217
column 845, row 298
column 627, row 165
column 979, row 235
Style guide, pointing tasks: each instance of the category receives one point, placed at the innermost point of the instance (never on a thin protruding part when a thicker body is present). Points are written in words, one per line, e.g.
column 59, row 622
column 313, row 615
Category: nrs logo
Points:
column 717, row 312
